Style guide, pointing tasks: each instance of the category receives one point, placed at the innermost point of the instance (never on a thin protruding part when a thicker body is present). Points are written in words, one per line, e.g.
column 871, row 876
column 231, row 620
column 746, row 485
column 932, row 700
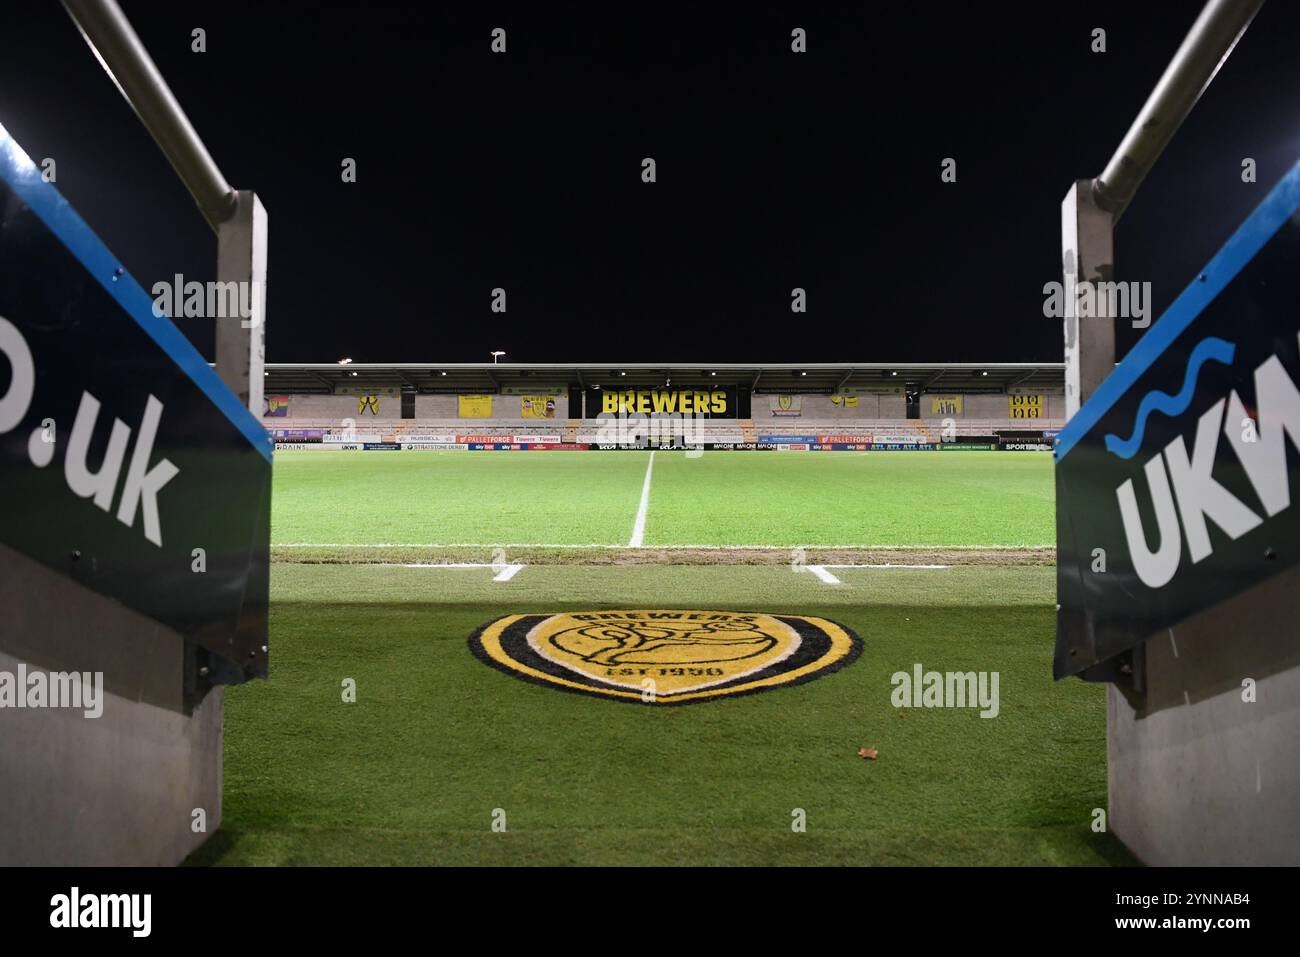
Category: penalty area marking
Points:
column 887, row 565
column 825, row 576
column 503, row 574
column 507, row 573
column 638, row 527
column 821, row 572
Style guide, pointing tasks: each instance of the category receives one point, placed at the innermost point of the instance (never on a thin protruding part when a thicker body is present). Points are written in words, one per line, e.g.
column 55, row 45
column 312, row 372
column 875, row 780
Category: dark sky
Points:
column 775, row 170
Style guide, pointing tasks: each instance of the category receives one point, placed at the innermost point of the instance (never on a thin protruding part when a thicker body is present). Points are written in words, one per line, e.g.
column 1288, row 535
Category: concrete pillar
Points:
column 1087, row 255
column 241, row 342
column 1197, row 775
column 120, row 789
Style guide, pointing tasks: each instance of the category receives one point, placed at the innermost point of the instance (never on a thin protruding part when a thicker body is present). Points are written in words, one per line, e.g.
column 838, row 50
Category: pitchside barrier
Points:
column 1179, row 558
column 714, row 436
column 991, row 444
column 134, row 551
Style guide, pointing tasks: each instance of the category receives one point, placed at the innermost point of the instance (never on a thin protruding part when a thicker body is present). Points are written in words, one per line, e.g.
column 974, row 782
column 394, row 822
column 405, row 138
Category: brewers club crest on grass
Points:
column 665, row 657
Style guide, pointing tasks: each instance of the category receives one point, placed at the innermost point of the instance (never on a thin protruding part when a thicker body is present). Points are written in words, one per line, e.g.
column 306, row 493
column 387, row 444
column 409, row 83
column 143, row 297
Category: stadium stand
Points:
column 559, row 406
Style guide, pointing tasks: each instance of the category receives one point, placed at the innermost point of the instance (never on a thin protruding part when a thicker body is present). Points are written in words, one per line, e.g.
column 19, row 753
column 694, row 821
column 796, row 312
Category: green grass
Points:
column 911, row 499
column 454, row 498
column 410, row 773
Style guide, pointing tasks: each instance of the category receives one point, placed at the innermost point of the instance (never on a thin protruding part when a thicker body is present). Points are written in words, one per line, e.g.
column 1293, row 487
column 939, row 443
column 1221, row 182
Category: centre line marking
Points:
column 638, row 528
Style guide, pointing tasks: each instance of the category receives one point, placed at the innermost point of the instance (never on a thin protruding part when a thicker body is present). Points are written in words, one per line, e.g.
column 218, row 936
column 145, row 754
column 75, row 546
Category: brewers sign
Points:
column 1176, row 482
column 683, row 401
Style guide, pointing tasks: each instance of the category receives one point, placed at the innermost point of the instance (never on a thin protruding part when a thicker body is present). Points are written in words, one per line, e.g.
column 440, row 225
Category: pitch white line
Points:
column 638, row 529
column 507, row 573
column 503, row 574
column 821, row 572
column 887, row 565
column 710, row 547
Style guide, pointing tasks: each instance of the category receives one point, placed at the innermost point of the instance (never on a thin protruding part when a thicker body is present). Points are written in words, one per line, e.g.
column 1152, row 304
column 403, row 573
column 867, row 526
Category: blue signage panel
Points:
column 1175, row 483
column 127, row 465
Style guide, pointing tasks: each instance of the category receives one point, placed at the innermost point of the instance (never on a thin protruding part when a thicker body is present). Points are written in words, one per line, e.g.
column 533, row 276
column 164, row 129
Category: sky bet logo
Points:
column 140, row 490
column 1262, row 453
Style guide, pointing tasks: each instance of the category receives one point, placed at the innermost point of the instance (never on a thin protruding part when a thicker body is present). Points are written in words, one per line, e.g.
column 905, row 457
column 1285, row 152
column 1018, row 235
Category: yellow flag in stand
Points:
column 475, row 406
column 946, row 404
column 1025, row 406
column 537, row 406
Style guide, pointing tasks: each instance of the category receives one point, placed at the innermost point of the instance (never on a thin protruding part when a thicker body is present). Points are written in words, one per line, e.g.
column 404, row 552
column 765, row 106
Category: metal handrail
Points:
column 119, row 50
column 1205, row 48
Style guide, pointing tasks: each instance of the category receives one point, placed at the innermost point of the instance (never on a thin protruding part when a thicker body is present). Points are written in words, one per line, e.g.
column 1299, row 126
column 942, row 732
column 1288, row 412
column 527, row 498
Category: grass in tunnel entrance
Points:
column 437, row 745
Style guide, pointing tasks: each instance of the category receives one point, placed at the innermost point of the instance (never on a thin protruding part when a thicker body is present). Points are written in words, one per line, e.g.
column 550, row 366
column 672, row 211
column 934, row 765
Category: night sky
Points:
column 775, row 169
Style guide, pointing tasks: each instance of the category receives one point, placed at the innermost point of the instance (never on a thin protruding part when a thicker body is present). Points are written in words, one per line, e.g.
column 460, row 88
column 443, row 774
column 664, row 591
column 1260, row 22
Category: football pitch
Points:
column 717, row 499
column 441, row 759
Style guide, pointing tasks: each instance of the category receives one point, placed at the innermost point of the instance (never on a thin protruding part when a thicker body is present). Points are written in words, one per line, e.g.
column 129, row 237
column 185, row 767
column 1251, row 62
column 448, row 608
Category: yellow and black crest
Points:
column 665, row 657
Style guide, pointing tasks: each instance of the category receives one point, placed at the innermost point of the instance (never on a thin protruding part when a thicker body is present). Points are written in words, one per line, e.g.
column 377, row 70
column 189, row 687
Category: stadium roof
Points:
column 325, row 377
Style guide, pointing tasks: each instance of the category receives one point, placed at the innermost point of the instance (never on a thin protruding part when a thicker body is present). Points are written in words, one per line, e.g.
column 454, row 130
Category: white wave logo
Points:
column 1182, row 486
